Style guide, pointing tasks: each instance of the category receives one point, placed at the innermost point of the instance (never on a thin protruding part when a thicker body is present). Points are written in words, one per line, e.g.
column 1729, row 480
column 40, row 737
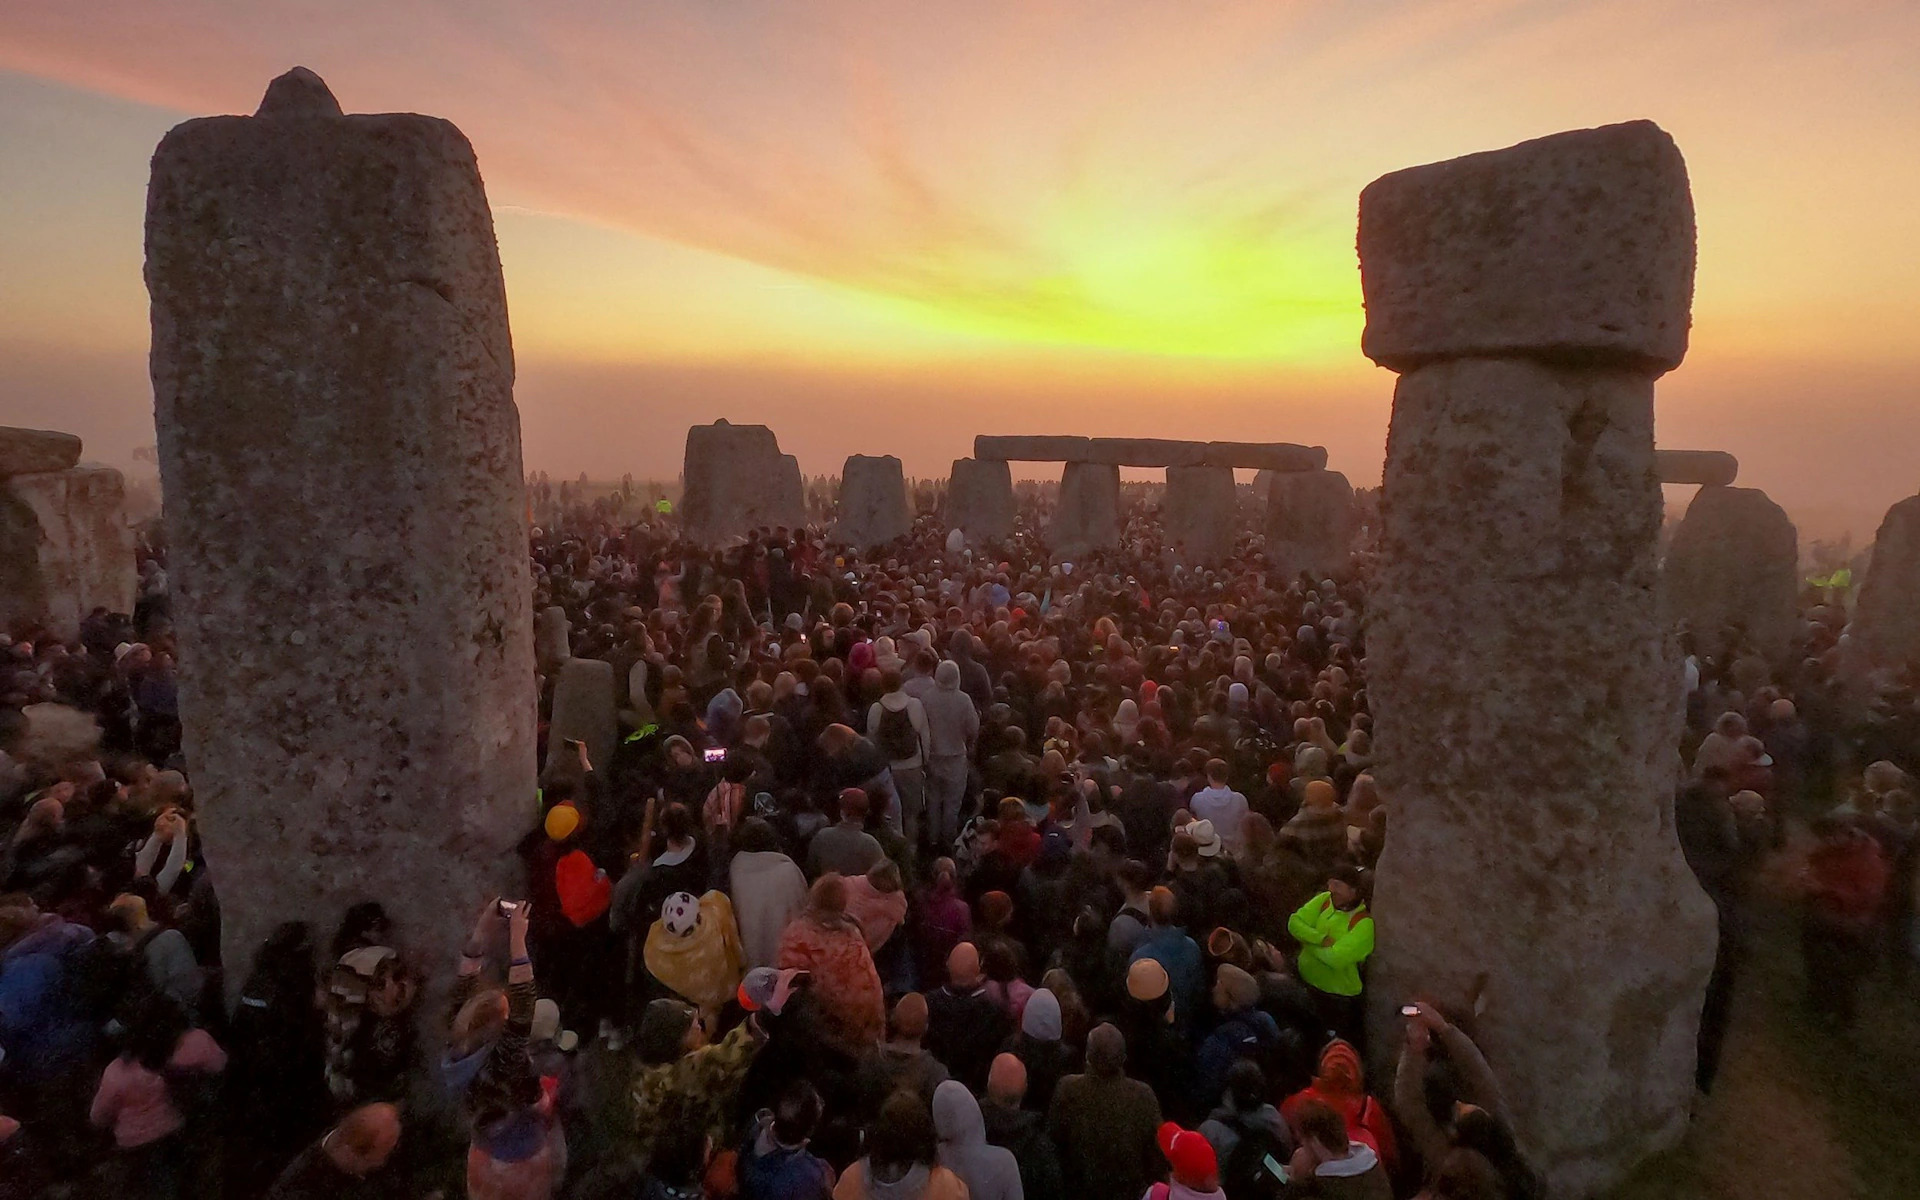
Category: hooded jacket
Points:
column 953, row 723
column 44, row 1035
column 990, row 1172
column 1023, row 1132
column 768, row 892
column 1358, row 1176
column 1047, row 1059
column 918, row 1182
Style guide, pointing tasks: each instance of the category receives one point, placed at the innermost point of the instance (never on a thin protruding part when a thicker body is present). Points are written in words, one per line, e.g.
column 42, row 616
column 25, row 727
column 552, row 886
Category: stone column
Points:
column 1527, row 702
column 65, row 546
column 1735, row 564
column 1198, row 516
column 584, row 710
column 738, row 481
column 1886, row 618
column 1088, row 517
column 980, row 499
column 552, row 639
column 333, row 391
column 873, row 502
column 1310, row 522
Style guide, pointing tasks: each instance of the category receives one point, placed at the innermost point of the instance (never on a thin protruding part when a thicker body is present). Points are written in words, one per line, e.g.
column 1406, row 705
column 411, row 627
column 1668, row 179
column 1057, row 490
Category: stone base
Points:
column 1735, row 563
column 65, row 547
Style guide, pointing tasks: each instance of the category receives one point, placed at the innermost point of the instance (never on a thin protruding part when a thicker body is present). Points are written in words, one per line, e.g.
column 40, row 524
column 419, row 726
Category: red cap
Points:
column 1192, row 1156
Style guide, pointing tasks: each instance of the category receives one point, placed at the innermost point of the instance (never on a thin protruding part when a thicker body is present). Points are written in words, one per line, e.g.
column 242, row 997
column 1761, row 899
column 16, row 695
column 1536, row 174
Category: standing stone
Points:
column 738, row 481
column 1088, row 516
column 1735, row 565
column 1310, row 522
column 873, row 502
column 552, row 639
column 1886, row 619
column 1526, row 699
column 584, row 710
column 333, row 391
column 65, row 546
column 980, row 499
column 1198, row 517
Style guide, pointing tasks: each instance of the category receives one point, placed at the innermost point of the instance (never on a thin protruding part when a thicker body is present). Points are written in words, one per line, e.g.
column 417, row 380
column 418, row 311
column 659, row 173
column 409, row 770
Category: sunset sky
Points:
column 884, row 227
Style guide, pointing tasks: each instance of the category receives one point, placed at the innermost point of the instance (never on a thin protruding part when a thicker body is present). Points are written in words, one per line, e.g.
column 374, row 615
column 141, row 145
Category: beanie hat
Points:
column 663, row 1030
column 1146, row 979
column 1190, row 1154
column 680, row 913
column 1320, row 794
column 1236, row 987
column 562, row 820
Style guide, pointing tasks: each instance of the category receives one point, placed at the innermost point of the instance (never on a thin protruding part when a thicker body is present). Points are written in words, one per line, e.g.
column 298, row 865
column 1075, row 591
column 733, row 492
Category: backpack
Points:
column 897, row 737
column 1244, row 1176
column 109, row 979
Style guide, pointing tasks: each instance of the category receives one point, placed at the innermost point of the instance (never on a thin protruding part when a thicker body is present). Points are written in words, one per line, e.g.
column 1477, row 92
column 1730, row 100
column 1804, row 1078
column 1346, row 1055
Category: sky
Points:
column 883, row 228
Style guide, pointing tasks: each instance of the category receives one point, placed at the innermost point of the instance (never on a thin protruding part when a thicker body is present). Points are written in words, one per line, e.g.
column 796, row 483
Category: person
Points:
column 897, row 723
column 899, row 1163
column 351, row 1161
column 953, row 729
column 147, row 1094
column 1021, row 1129
column 680, row 1150
column 877, row 903
column 1168, row 943
column 276, row 1091
column 1318, row 832
column 1243, row 1032
column 1328, row 1164
column 1244, row 1130
column 989, row 1172
column 163, row 955
column 685, row 1081
column 1335, row 932
column 965, row 1027
column 775, row 1163
column 694, row 949
column 1221, row 805
column 1845, row 881
column 900, row 1063
column 372, row 1040
column 1105, row 1124
column 1038, row 1046
column 1339, row 1083
column 768, row 891
column 1475, row 1115
column 829, row 945
column 846, row 848
column 1195, row 1171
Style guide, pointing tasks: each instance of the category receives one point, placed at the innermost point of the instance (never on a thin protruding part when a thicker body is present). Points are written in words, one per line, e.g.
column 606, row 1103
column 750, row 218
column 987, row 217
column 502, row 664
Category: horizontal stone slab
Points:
column 27, row 451
column 1147, row 452
column 1266, row 456
column 1711, row 468
column 1038, row 447
column 1575, row 247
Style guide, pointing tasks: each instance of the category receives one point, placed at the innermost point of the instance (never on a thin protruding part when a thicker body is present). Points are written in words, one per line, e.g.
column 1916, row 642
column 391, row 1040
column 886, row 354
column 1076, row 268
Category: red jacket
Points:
column 585, row 893
column 1847, row 882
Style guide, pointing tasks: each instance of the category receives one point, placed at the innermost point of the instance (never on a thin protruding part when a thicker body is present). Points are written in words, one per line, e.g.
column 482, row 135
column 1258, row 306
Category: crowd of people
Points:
column 929, row 873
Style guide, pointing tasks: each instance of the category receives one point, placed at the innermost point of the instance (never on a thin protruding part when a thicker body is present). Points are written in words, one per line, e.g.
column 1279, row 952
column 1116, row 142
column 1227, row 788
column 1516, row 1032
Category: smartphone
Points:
column 1409, row 1010
column 714, row 754
column 1275, row 1168
column 509, row 907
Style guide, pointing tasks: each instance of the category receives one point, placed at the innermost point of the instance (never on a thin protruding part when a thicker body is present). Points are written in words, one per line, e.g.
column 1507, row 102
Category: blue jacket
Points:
column 1249, row 1033
column 41, row 1028
column 1186, row 973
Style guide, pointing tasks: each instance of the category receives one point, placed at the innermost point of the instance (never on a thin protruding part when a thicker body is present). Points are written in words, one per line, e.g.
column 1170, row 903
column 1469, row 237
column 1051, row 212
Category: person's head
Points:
column 796, row 1113
column 963, row 966
column 884, row 876
column 1007, row 1081
column 1323, row 1129
column 480, row 1020
column 1246, row 1085
column 755, row 836
column 827, row 898
column 1190, row 1157
column 1730, row 725
column 364, row 1139
column 1134, row 876
column 680, row 752
column 1106, row 1050
column 1163, row 907
column 854, row 806
column 908, row 1020
column 128, row 913
column 1234, row 990
column 678, row 824
column 1217, row 772
column 903, row 1134
column 1345, row 887
column 1321, row 794
column 891, row 681
column 669, row 1028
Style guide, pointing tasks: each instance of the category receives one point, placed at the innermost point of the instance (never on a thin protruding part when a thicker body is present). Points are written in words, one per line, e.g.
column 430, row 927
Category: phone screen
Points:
column 715, row 754
column 1274, row 1168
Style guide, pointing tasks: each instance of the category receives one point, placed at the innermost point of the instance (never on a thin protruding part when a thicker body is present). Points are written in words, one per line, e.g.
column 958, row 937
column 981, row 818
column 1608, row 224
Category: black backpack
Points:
column 1245, row 1175
column 108, row 979
column 898, row 738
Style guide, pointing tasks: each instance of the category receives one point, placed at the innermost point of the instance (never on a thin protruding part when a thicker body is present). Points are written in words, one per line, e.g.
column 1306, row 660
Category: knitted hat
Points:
column 680, row 913
column 1146, row 979
column 1320, row 794
column 1236, row 988
column 1190, row 1154
column 562, row 820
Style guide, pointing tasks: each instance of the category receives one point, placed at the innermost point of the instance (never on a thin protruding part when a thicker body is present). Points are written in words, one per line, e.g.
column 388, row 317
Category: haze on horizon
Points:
column 884, row 229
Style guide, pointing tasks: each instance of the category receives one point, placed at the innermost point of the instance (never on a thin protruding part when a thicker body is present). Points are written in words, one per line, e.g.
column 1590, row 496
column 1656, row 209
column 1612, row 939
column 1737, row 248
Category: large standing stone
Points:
column 65, row 547
column 1310, row 522
column 1088, row 516
column 333, row 391
column 29, row 451
column 738, row 481
column 1735, row 564
column 552, row 639
column 1713, row 468
column 1198, row 518
column 584, row 710
column 873, row 502
column 1527, row 702
column 980, row 499
column 1886, row 619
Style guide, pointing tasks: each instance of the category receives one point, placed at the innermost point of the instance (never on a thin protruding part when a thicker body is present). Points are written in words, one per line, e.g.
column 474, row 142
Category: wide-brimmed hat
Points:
column 1205, row 839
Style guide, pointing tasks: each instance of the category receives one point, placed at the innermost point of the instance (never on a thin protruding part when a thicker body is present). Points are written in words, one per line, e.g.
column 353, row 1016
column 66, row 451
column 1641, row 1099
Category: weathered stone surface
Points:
column 738, row 481
column 333, row 391
column 1527, row 709
column 1886, row 617
column 1199, row 516
column 1146, row 452
column 1266, row 456
column 65, row 547
column 1734, row 563
column 980, row 499
column 873, row 501
column 584, row 705
column 1310, row 522
column 1088, row 516
column 552, row 639
column 1710, row 468
column 24, row 451
column 1034, row 448
column 1575, row 247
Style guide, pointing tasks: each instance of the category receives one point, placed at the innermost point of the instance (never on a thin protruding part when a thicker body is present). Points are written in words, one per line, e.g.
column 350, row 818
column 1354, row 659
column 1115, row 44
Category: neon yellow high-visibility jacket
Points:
column 1334, row 969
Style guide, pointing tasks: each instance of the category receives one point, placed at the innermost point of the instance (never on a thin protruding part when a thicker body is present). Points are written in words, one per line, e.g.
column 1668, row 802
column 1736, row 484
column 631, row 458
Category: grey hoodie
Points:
column 990, row 1172
column 952, row 721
